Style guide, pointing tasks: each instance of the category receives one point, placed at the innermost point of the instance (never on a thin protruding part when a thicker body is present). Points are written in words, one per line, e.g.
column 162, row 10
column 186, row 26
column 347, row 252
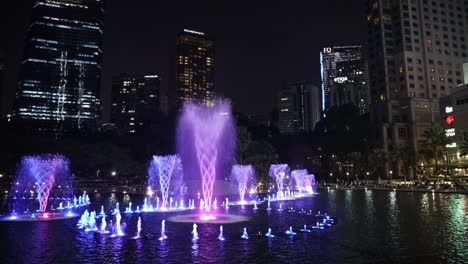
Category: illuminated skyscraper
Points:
column 299, row 108
column 60, row 73
column 416, row 52
column 135, row 101
column 195, row 65
column 344, row 77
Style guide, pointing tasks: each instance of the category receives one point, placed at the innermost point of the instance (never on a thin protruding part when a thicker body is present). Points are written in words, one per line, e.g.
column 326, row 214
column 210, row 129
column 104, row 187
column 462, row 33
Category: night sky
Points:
column 258, row 46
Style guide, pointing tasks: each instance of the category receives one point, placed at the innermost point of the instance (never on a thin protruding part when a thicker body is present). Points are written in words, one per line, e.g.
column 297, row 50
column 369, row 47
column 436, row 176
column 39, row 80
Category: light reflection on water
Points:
column 373, row 226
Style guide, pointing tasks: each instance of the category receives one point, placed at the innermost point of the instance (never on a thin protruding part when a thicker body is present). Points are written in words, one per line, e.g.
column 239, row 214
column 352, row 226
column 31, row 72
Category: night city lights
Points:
column 217, row 132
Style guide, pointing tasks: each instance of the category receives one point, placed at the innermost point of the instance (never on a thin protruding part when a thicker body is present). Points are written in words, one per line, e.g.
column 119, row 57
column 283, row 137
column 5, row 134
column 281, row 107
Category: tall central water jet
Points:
column 279, row 172
column 205, row 140
column 165, row 172
column 42, row 174
column 242, row 174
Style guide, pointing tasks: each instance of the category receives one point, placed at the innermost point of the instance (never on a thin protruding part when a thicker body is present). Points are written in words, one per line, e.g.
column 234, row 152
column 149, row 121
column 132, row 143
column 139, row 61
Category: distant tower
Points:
column 299, row 108
column 135, row 101
column 60, row 73
column 344, row 77
column 195, row 65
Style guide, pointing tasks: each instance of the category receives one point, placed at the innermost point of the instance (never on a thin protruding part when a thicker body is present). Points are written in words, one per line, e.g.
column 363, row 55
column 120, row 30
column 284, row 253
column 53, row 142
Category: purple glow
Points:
column 40, row 175
column 242, row 174
column 165, row 172
column 309, row 184
column 298, row 176
column 279, row 172
column 206, row 143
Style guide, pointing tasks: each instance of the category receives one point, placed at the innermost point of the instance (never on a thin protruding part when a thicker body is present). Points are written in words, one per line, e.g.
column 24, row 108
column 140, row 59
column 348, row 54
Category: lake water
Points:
column 373, row 227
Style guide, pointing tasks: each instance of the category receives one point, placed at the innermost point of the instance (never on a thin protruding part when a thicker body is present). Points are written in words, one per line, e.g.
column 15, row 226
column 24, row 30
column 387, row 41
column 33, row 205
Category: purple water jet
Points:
column 279, row 172
column 298, row 176
column 205, row 140
column 165, row 172
column 309, row 184
column 242, row 174
column 43, row 175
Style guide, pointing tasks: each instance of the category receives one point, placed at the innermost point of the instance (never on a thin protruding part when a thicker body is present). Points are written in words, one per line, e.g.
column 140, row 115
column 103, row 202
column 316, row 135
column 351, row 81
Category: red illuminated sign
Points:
column 449, row 119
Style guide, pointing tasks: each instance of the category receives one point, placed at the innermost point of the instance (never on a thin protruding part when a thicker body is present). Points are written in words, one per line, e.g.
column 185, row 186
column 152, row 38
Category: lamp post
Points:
column 391, row 174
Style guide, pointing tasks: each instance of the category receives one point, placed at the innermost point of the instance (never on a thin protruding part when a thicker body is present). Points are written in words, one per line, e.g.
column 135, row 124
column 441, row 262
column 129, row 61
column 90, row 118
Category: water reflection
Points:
column 373, row 226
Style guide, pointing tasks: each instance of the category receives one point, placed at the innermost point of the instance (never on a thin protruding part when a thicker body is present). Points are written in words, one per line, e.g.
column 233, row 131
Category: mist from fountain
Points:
column 298, row 176
column 206, row 142
column 242, row 174
column 42, row 175
column 165, row 172
column 279, row 172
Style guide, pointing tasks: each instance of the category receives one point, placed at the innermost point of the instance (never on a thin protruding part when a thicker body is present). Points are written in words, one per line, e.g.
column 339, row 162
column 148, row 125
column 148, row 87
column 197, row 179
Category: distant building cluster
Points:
column 408, row 77
column 135, row 101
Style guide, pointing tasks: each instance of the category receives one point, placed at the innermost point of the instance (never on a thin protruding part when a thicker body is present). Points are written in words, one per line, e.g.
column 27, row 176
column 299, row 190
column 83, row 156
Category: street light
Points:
column 113, row 173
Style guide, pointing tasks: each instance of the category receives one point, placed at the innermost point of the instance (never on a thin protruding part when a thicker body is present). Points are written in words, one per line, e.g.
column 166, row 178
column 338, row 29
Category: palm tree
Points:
column 464, row 148
column 405, row 154
column 377, row 160
column 432, row 144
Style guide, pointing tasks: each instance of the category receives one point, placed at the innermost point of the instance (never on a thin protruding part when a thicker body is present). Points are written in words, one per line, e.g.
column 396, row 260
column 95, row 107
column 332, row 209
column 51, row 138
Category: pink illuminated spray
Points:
column 206, row 141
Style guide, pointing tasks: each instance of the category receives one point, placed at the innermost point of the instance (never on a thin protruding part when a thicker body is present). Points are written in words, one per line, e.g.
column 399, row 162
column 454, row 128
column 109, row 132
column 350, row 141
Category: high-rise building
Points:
column 60, row 73
column 344, row 77
column 416, row 50
column 299, row 108
column 135, row 101
column 195, row 65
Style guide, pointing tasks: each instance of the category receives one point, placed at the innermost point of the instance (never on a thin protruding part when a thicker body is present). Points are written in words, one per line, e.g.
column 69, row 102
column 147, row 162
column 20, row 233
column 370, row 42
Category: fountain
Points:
column 118, row 227
column 290, row 231
column 41, row 176
column 309, row 184
column 268, row 205
column 194, row 232
column 279, row 172
column 269, row 234
column 298, row 176
column 255, row 205
column 221, row 237
column 165, row 171
column 102, row 213
column 244, row 234
column 242, row 174
column 205, row 141
column 163, row 231
column 138, row 227
column 104, row 225
column 305, row 229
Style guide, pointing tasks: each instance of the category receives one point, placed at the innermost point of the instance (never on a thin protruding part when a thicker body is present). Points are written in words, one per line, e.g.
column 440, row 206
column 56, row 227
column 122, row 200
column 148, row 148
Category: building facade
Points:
column 299, row 108
column 135, row 101
column 195, row 66
column 344, row 77
column 58, row 87
column 416, row 50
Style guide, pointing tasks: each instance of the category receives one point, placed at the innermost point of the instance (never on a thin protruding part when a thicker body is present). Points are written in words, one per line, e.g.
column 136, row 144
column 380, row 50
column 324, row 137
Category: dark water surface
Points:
column 373, row 227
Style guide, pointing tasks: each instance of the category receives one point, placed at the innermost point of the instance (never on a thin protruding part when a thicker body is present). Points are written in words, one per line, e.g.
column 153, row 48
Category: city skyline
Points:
column 251, row 60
